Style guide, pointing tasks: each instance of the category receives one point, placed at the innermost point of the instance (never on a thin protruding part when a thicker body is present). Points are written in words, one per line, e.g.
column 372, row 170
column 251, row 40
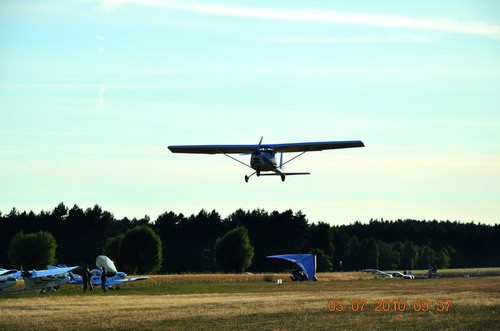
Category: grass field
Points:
column 338, row 300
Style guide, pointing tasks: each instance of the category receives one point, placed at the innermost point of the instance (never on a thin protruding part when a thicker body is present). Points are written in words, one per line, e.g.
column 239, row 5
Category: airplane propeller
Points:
column 260, row 142
column 256, row 149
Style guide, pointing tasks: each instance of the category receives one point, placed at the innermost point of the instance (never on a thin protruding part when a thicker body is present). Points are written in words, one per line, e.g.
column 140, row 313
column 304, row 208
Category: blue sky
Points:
column 92, row 93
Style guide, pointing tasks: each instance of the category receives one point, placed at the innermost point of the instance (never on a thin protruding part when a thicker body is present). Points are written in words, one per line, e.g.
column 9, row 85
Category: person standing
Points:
column 103, row 279
column 86, row 280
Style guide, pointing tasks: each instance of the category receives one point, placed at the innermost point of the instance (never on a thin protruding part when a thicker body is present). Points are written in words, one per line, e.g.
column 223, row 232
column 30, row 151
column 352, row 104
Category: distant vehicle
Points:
column 398, row 274
column 377, row 272
column 263, row 157
column 392, row 274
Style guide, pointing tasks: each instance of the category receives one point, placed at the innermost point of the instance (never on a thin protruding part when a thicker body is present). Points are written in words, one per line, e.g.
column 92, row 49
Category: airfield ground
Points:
column 337, row 300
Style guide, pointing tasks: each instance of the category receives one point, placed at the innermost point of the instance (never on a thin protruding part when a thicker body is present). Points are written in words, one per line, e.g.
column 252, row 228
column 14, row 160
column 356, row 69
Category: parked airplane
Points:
column 8, row 278
column 377, row 273
column 50, row 278
column 392, row 274
column 36, row 279
column 95, row 278
column 263, row 157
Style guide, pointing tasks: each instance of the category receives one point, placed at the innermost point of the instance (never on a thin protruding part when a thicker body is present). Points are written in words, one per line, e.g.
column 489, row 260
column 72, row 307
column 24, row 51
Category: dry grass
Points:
column 250, row 302
column 229, row 278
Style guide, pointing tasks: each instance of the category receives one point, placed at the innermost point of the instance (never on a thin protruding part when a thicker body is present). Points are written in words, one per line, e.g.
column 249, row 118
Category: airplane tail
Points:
column 72, row 276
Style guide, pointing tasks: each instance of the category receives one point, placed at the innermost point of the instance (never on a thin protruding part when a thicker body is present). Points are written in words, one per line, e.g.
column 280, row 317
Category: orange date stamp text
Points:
column 387, row 305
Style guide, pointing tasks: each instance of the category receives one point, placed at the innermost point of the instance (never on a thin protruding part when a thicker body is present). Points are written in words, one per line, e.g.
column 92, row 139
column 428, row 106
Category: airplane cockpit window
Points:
column 267, row 150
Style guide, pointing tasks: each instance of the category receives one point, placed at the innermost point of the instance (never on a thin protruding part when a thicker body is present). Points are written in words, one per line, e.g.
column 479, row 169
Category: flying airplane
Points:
column 263, row 157
column 36, row 279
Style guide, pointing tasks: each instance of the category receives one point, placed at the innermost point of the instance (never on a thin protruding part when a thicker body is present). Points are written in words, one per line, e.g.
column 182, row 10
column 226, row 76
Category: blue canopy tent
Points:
column 306, row 262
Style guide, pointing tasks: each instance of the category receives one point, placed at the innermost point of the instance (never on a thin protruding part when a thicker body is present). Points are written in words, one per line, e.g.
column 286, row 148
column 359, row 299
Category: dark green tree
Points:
column 174, row 243
column 354, row 261
column 189, row 242
column 342, row 252
column 389, row 255
column 321, row 236
column 32, row 250
column 112, row 249
column 368, row 254
column 426, row 257
column 443, row 259
column 140, row 250
column 409, row 256
column 323, row 262
column 233, row 251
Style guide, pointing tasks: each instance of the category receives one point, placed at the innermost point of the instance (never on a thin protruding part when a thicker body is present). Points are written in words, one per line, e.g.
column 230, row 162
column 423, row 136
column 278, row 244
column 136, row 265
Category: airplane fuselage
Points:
column 46, row 281
column 8, row 278
column 7, row 281
column 263, row 160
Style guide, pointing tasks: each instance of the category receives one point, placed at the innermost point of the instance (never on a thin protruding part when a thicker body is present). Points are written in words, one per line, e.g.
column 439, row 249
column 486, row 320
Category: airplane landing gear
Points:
column 282, row 177
column 248, row 177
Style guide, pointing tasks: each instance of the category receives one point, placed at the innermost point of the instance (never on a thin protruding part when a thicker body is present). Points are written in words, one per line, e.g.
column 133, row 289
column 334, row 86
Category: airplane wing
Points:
column 5, row 272
column 280, row 148
column 377, row 272
column 41, row 279
column 134, row 279
column 46, row 273
column 307, row 262
column 213, row 149
column 315, row 146
column 111, row 281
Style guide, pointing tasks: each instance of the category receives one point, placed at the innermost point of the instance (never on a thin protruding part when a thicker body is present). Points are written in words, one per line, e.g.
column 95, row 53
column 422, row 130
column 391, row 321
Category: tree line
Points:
column 206, row 242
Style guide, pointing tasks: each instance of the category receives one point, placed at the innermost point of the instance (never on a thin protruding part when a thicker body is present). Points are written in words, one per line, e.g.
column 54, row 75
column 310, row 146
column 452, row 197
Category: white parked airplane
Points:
column 8, row 278
column 113, row 277
column 95, row 278
column 36, row 279
column 263, row 157
column 50, row 278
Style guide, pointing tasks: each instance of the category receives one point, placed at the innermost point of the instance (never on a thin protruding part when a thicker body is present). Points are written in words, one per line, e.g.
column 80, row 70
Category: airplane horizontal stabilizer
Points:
column 287, row 174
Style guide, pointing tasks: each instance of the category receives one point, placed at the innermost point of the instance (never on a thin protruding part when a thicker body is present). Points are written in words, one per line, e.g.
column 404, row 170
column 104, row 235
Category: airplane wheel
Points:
column 282, row 178
column 246, row 179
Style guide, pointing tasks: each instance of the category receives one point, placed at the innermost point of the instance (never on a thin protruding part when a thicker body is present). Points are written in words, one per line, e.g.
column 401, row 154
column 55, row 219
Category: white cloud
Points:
column 321, row 16
column 372, row 39
column 100, row 98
